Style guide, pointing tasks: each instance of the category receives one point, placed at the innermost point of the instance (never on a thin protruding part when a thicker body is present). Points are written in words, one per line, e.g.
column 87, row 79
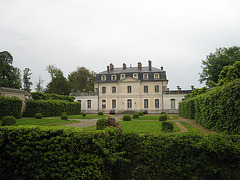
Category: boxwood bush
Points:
column 38, row 116
column 101, row 124
column 100, row 113
column 70, row 153
column 135, row 116
column 167, row 126
column 10, row 107
column 127, row 117
column 8, row 121
column 140, row 113
column 64, row 116
column 163, row 117
column 84, row 114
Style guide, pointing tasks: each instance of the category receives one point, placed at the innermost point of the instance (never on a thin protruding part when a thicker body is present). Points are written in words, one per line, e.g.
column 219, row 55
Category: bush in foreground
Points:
column 135, row 116
column 101, row 124
column 127, row 117
column 38, row 116
column 8, row 121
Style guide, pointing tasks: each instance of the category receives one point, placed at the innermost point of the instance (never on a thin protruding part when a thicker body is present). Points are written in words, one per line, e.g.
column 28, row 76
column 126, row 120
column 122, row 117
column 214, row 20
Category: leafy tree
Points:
column 229, row 73
column 39, row 87
column 81, row 79
column 59, row 84
column 9, row 76
column 26, row 79
column 215, row 62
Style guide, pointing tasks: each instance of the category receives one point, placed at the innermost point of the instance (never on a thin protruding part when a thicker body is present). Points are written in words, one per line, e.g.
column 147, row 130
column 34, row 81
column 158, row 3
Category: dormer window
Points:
column 156, row 76
column 103, row 78
column 114, row 77
column 122, row 76
column 135, row 75
column 145, row 76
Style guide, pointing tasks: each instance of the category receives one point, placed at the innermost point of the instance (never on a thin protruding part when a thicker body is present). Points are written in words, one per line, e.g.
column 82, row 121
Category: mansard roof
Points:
column 144, row 69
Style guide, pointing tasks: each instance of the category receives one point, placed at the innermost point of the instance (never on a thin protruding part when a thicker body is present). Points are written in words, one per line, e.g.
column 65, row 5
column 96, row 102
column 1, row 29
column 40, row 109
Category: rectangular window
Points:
column 104, row 104
column 103, row 90
column 129, row 89
column 114, row 104
column 89, row 104
column 156, row 103
column 145, row 89
column 157, row 89
column 113, row 89
column 145, row 103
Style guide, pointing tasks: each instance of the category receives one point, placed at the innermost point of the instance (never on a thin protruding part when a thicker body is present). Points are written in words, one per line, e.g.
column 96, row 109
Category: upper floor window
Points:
column 89, row 104
column 114, row 77
column 103, row 78
column 156, row 76
column 103, row 104
column 156, row 89
column 103, row 90
column 122, row 76
column 113, row 89
column 129, row 89
column 135, row 75
column 145, row 76
column 145, row 89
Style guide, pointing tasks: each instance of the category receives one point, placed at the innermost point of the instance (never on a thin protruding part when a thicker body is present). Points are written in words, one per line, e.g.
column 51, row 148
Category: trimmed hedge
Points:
column 70, row 153
column 51, row 107
column 218, row 109
column 42, row 96
column 10, row 107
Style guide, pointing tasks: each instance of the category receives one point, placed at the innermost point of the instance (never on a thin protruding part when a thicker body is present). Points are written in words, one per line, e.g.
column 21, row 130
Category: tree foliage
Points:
column 10, row 76
column 59, row 84
column 215, row 62
column 82, row 79
column 39, row 87
column 26, row 79
column 229, row 73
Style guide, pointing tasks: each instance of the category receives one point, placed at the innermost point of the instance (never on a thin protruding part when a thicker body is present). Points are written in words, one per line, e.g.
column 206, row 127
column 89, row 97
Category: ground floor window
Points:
column 129, row 104
column 104, row 104
column 156, row 103
column 173, row 104
column 89, row 104
column 114, row 104
column 145, row 103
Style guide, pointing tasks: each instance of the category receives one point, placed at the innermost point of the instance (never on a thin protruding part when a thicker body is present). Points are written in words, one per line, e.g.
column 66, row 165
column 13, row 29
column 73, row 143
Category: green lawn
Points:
column 190, row 128
column 43, row 122
column 153, row 117
column 144, row 127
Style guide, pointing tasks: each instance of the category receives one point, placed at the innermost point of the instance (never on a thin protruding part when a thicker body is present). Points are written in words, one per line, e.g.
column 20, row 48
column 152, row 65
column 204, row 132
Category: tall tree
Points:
column 59, row 84
column 229, row 73
column 215, row 62
column 39, row 87
column 82, row 79
column 26, row 79
column 9, row 76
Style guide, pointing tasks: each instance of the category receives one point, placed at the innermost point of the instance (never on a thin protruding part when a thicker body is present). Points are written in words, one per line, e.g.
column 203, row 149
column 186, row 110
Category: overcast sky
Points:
column 175, row 34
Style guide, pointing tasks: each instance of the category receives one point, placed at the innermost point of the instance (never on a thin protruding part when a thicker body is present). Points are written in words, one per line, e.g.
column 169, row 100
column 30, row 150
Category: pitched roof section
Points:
column 131, row 70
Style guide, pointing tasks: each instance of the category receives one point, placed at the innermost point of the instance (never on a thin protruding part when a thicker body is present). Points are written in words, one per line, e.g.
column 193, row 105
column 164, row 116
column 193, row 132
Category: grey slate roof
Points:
column 131, row 70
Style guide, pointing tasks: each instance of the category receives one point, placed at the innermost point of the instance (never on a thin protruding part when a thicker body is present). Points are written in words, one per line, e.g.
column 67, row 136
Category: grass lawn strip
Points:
column 190, row 128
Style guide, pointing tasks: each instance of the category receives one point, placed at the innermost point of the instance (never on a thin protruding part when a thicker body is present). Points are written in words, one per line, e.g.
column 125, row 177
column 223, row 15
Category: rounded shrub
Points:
column 8, row 121
column 135, row 116
column 163, row 117
column 127, row 117
column 163, row 112
column 64, row 116
column 167, row 126
column 84, row 114
column 101, row 124
column 100, row 113
column 38, row 116
column 140, row 113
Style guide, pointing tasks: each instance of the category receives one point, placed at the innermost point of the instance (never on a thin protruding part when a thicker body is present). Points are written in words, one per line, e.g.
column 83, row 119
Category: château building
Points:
column 127, row 89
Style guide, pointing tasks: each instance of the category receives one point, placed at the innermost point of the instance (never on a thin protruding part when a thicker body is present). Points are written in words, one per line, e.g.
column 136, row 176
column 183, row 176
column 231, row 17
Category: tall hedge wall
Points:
column 55, row 153
column 10, row 107
column 218, row 109
column 51, row 107
column 42, row 96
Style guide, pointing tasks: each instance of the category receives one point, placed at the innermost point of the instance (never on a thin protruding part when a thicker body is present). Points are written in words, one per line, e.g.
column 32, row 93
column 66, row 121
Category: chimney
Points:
column 150, row 65
column 178, row 87
column 162, row 68
column 192, row 87
column 107, row 68
column 124, row 66
column 111, row 66
column 139, row 65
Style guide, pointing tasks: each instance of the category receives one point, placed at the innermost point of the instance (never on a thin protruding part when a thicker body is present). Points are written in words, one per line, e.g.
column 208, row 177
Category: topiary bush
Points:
column 64, row 116
column 100, row 113
column 84, row 114
column 101, row 124
column 135, row 116
column 163, row 117
column 127, row 117
column 140, row 113
column 8, row 121
column 38, row 116
column 163, row 112
column 167, row 126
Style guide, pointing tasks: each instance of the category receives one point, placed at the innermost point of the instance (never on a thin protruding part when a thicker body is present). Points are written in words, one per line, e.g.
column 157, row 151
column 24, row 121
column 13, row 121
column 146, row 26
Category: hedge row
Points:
column 51, row 108
column 10, row 107
column 218, row 109
column 42, row 96
column 55, row 153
